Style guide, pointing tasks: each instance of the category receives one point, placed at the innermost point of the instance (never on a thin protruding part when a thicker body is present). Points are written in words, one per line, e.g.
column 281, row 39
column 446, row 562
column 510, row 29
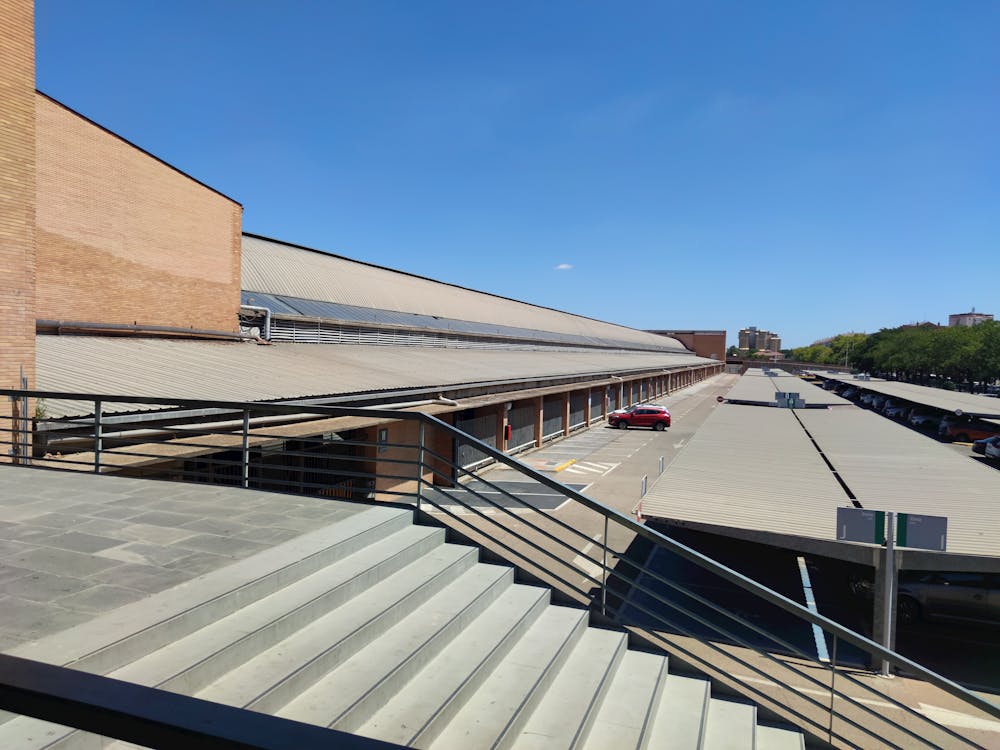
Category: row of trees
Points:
column 963, row 354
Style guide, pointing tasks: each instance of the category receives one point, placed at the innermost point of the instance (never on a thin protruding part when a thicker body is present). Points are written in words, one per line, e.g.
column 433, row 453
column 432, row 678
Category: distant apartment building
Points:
column 968, row 319
column 752, row 338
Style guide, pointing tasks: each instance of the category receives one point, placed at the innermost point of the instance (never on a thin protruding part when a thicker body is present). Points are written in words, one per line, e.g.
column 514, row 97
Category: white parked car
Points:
column 993, row 450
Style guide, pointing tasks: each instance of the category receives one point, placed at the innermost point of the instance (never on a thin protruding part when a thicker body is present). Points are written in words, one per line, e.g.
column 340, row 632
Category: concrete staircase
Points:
column 377, row 627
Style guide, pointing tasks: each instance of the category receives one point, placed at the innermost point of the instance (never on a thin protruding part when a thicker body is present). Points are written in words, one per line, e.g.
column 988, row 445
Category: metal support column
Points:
column 246, row 449
column 98, row 409
column 604, row 571
column 889, row 588
column 420, row 465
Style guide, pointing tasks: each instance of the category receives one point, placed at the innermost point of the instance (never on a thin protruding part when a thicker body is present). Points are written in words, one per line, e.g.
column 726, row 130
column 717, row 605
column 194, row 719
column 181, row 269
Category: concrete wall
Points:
column 124, row 238
column 17, row 201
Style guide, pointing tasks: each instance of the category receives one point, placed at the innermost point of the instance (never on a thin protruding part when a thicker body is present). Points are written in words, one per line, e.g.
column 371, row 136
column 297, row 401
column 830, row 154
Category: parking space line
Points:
column 821, row 652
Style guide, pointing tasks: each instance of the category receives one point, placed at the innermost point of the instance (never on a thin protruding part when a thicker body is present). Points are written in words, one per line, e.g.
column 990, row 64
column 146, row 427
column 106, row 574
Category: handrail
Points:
column 734, row 577
column 155, row 718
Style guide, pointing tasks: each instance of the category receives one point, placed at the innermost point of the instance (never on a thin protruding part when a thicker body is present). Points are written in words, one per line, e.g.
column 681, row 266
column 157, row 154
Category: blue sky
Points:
column 806, row 167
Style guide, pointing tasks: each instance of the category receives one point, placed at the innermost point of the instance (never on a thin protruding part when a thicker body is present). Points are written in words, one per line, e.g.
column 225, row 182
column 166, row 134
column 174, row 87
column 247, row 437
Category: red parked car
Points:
column 640, row 415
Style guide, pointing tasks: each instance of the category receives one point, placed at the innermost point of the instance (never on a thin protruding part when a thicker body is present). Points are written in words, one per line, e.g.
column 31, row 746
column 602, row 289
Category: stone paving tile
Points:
column 221, row 545
column 29, row 620
column 148, row 578
column 176, row 506
column 198, row 563
column 268, row 536
column 103, row 527
column 43, row 587
column 120, row 513
column 56, row 520
column 145, row 554
column 10, row 549
column 100, row 598
column 30, row 534
column 142, row 532
column 223, row 527
column 10, row 573
column 260, row 519
column 84, row 509
column 300, row 524
column 8, row 643
column 173, row 520
column 74, row 540
column 60, row 562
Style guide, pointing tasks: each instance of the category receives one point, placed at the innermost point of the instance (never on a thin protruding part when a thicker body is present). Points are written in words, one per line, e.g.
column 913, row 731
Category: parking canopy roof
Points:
column 760, row 387
column 756, row 468
column 973, row 405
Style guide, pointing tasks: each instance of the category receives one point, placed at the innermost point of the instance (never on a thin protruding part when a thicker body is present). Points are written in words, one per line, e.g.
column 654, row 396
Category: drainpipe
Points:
column 267, row 318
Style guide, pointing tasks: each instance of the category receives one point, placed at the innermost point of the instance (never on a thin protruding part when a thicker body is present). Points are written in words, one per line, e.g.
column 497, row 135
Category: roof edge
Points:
column 137, row 147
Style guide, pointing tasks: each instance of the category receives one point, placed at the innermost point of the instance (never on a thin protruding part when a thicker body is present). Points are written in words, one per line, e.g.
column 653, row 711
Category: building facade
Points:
column 754, row 338
column 968, row 319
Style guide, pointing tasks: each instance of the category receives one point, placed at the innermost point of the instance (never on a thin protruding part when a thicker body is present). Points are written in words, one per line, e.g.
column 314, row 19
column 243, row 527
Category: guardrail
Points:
column 745, row 636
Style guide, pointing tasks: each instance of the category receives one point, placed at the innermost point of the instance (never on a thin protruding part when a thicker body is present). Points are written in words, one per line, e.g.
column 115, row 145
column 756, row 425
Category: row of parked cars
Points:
column 984, row 436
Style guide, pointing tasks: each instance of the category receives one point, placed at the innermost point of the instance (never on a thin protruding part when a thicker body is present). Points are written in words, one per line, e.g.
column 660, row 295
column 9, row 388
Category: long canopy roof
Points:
column 230, row 371
column 276, row 268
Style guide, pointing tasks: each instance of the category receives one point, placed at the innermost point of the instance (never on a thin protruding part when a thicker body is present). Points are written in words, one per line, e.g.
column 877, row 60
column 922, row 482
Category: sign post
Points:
column 890, row 530
column 889, row 596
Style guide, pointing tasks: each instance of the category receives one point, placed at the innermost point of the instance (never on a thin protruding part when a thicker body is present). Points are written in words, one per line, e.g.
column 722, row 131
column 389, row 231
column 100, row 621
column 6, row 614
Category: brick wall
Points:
column 123, row 237
column 17, row 199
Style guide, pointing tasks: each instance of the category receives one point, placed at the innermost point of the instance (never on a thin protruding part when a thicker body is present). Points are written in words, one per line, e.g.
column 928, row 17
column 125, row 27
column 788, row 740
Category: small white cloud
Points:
column 563, row 267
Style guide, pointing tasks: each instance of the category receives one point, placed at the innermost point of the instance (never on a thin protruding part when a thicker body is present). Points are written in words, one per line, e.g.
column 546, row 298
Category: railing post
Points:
column 246, row 449
column 420, row 465
column 661, row 464
column 604, row 572
column 98, row 409
column 833, row 681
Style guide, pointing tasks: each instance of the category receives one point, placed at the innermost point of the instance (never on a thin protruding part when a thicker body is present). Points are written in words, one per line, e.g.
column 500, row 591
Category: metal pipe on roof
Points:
column 267, row 318
column 76, row 325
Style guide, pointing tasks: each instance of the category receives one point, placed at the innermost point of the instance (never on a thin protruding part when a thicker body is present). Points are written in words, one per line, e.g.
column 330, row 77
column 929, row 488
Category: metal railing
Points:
column 755, row 641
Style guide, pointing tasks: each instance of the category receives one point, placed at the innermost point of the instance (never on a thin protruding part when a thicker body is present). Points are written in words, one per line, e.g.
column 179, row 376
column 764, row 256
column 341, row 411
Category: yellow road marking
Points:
column 562, row 466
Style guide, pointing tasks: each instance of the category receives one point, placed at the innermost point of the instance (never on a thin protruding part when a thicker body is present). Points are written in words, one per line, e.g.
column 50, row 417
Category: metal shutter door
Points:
column 480, row 426
column 522, row 428
column 552, row 417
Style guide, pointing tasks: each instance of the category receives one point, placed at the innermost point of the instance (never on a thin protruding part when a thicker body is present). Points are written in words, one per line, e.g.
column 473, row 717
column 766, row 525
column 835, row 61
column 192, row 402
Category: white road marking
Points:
column 585, row 563
column 680, row 444
column 814, row 691
column 957, row 719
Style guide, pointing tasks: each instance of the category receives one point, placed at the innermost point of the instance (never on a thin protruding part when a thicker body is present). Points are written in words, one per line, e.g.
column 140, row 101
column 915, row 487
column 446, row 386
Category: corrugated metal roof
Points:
column 272, row 267
column 751, row 467
column 757, row 387
column 772, row 479
column 925, row 395
column 891, row 467
column 226, row 371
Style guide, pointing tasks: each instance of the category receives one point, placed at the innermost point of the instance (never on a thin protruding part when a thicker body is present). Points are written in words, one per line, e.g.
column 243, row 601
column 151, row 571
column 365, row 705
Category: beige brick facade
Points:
column 124, row 238
column 17, row 199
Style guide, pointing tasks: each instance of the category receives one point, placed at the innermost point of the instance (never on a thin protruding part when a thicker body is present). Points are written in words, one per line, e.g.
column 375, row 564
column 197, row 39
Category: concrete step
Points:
column 418, row 712
column 130, row 632
column 278, row 675
column 779, row 738
column 626, row 715
column 731, row 725
column 563, row 717
column 681, row 714
column 189, row 664
column 502, row 705
column 153, row 625
column 351, row 693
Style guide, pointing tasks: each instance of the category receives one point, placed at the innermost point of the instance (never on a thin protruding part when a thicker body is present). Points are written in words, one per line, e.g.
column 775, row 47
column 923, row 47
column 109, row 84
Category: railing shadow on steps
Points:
column 753, row 641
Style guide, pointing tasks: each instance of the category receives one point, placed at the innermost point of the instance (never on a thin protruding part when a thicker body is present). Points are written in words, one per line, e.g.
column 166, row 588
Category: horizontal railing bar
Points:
column 504, row 545
column 155, row 718
column 522, row 519
column 855, row 639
